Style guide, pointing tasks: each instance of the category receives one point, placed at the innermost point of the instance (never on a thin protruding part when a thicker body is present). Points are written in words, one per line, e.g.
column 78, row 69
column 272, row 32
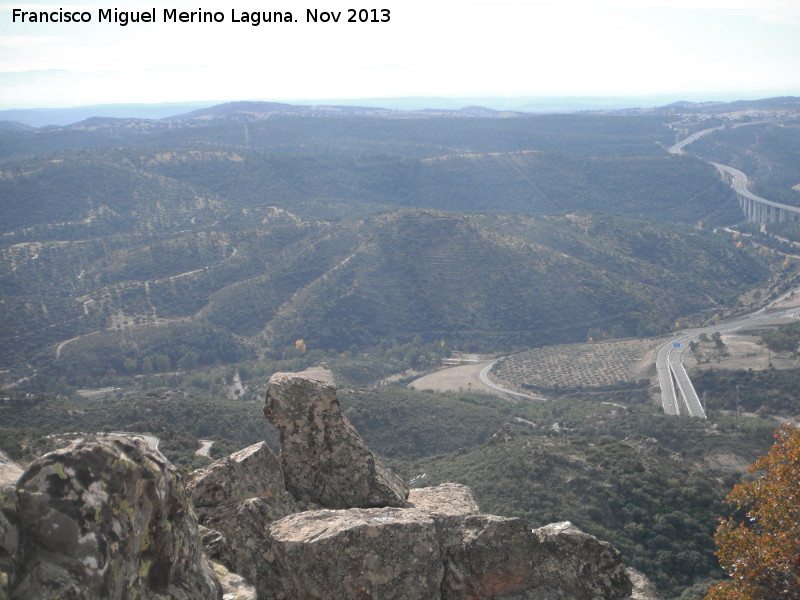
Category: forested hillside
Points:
column 137, row 246
column 140, row 303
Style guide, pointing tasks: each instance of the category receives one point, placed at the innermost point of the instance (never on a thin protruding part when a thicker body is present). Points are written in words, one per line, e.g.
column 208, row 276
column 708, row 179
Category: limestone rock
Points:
column 254, row 472
column 386, row 553
column 109, row 518
column 324, row 459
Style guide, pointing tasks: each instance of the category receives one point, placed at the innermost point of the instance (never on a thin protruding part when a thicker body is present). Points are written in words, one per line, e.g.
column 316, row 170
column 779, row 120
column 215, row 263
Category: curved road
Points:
column 205, row 448
column 738, row 179
column 672, row 376
column 678, row 395
column 484, row 377
column 151, row 441
column 739, row 184
column 678, row 148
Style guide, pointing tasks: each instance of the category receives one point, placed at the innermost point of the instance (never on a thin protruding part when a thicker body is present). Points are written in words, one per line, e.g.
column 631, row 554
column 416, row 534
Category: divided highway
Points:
column 678, row 148
column 678, row 396
column 738, row 180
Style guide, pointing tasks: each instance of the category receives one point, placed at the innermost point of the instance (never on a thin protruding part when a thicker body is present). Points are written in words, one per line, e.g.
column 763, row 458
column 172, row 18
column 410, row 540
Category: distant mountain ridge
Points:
column 42, row 117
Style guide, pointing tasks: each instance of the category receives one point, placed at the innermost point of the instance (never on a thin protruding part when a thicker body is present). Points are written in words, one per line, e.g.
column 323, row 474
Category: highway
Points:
column 738, row 178
column 739, row 185
column 678, row 148
column 678, row 396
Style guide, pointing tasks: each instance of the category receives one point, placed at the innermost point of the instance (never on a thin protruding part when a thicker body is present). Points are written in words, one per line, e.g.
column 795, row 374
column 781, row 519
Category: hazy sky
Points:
column 427, row 48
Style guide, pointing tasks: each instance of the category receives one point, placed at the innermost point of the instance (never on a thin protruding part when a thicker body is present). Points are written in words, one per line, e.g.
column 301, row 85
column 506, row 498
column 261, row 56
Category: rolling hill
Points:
column 483, row 281
column 256, row 224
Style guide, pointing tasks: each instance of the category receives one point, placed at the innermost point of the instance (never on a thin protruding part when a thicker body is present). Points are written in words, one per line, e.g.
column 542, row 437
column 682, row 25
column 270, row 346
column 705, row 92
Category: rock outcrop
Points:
column 387, row 553
column 108, row 518
column 408, row 554
column 112, row 518
column 324, row 459
column 643, row 588
column 254, row 472
column 356, row 532
column 236, row 499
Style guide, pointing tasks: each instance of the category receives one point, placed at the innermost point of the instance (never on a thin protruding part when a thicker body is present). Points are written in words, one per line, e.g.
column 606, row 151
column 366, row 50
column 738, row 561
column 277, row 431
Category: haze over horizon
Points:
column 615, row 48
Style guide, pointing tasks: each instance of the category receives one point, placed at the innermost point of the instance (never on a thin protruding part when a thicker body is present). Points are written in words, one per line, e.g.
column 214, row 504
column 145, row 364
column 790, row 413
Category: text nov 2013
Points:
column 173, row 15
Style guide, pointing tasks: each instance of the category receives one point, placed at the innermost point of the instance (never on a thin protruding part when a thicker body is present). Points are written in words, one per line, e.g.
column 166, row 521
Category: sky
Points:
column 445, row 48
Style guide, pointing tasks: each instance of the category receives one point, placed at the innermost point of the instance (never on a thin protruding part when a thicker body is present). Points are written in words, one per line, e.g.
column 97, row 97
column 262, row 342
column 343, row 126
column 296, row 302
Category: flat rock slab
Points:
column 503, row 558
column 446, row 500
column 380, row 553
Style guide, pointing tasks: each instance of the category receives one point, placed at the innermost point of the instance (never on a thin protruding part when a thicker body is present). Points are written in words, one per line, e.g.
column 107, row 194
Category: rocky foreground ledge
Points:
column 111, row 518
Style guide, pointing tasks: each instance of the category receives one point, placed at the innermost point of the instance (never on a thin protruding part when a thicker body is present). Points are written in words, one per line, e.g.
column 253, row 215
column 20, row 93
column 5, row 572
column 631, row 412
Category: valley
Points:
column 154, row 273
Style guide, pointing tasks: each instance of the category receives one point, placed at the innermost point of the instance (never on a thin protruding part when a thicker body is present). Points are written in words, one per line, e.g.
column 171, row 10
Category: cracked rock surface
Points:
column 324, row 459
column 108, row 518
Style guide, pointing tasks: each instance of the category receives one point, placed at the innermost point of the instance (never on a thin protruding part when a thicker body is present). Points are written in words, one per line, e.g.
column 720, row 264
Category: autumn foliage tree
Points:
column 760, row 548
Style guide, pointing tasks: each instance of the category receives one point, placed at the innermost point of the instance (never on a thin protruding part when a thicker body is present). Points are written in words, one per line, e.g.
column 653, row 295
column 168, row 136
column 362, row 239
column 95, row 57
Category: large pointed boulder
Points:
column 250, row 473
column 236, row 499
column 324, row 459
